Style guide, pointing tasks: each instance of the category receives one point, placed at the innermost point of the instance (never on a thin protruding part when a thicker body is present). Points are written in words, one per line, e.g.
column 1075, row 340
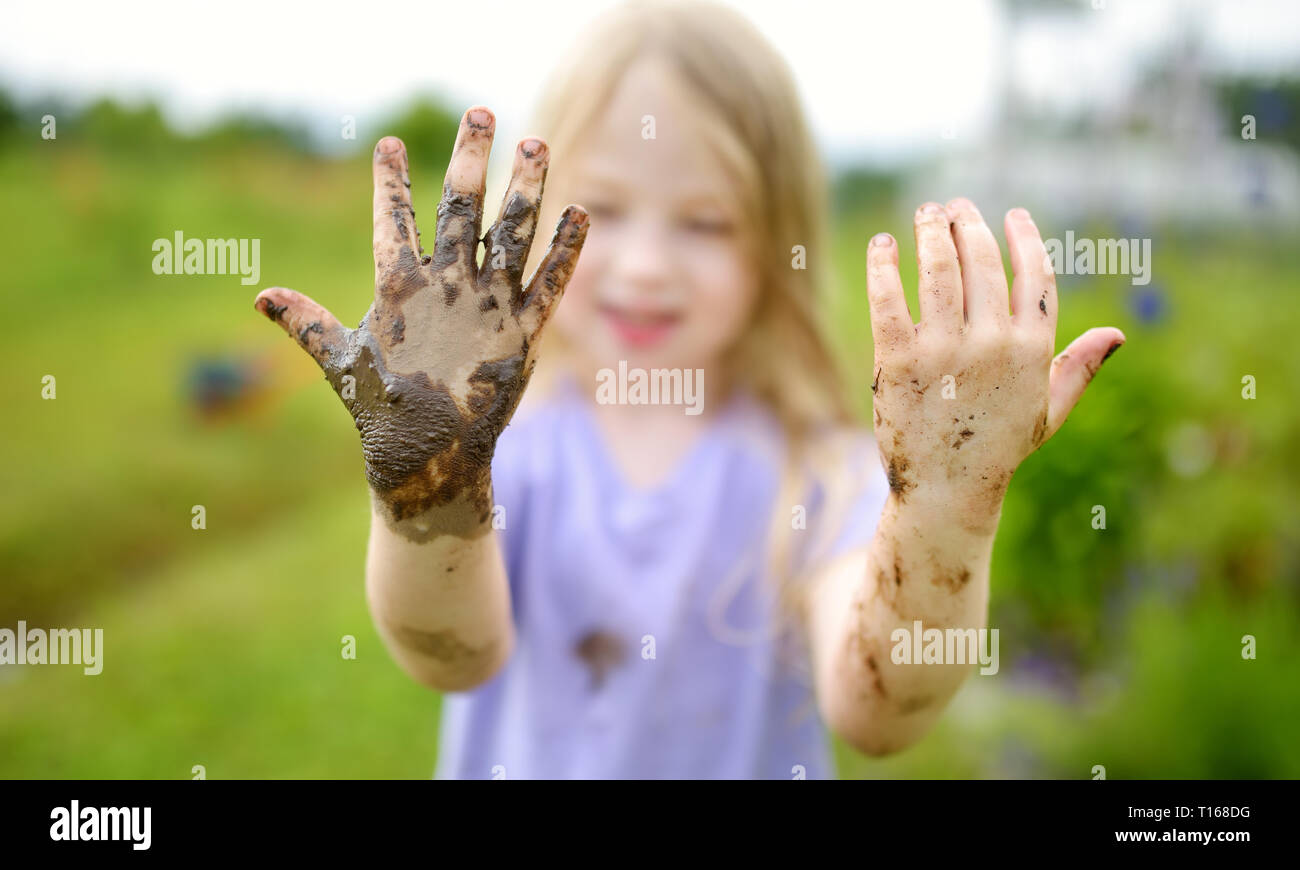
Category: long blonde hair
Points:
column 756, row 123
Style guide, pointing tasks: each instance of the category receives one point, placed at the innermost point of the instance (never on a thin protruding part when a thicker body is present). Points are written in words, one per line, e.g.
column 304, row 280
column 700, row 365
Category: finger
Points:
column 1073, row 370
column 316, row 330
column 1033, row 288
column 939, row 287
column 512, row 235
column 396, row 241
column 982, row 275
column 547, row 284
column 460, row 214
column 891, row 321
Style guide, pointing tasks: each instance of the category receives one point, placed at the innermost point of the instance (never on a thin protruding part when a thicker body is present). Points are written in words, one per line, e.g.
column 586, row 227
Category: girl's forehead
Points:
column 675, row 177
column 653, row 137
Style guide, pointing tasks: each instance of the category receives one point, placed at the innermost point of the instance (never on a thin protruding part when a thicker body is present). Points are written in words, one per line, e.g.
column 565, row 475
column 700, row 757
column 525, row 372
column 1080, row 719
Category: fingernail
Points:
column 962, row 204
column 1021, row 214
column 882, row 240
column 931, row 208
column 575, row 215
column 532, row 148
column 1114, row 347
column 481, row 118
column 270, row 309
column 389, row 145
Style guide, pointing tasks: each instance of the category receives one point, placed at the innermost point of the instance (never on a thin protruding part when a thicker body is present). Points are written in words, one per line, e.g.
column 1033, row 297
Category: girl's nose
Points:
column 643, row 257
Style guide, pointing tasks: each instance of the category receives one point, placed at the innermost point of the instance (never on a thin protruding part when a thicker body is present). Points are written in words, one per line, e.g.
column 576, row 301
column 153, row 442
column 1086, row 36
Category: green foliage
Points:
column 863, row 191
column 10, row 118
column 141, row 131
column 428, row 130
column 1274, row 103
column 235, row 132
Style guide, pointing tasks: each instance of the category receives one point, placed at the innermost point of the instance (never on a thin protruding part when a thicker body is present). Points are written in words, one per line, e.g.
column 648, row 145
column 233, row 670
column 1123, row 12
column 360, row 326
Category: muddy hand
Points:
column 439, row 363
column 964, row 396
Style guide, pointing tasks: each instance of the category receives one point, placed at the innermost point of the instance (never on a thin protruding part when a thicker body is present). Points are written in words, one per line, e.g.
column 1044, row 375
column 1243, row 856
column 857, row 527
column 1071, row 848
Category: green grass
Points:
column 232, row 658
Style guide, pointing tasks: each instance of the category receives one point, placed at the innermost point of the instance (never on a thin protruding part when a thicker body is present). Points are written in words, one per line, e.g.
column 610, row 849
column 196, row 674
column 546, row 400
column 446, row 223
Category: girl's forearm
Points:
column 432, row 376
column 928, row 563
column 442, row 606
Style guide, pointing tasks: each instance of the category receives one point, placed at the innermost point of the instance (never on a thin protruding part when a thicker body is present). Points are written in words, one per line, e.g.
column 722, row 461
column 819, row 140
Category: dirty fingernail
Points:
column 882, row 240
column 479, row 117
column 575, row 215
column 533, row 148
column 389, row 145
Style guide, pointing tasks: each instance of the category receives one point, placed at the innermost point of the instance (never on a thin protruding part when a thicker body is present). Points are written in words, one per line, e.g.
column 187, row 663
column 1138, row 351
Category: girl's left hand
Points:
column 964, row 396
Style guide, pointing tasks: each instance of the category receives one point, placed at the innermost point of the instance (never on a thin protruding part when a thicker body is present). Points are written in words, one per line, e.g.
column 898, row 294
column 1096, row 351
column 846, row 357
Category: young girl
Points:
column 697, row 587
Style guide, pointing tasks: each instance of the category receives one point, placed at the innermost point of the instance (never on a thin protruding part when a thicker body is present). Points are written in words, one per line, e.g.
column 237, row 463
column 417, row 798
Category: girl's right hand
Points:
column 436, row 368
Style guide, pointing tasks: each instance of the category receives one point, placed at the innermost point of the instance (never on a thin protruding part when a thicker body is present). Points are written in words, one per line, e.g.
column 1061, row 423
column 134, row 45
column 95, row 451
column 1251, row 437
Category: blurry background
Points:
column 1120, row 647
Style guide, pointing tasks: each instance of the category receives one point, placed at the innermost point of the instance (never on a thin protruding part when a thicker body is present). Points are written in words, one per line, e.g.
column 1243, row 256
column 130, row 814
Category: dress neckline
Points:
column 684, row 467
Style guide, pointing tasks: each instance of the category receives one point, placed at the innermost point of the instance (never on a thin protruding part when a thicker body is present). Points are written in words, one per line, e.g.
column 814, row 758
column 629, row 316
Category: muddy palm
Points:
column 438, row 364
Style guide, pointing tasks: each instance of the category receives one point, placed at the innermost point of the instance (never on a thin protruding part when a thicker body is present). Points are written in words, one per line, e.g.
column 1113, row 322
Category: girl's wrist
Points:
column 973, row 507
column 420, row 512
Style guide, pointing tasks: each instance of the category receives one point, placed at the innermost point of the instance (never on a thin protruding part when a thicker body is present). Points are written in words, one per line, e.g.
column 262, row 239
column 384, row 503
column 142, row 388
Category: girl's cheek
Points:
column 728, row 289
column 574, row 314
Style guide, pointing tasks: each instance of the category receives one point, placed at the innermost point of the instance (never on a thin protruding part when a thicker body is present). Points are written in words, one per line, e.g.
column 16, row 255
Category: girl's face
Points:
column 666, row 278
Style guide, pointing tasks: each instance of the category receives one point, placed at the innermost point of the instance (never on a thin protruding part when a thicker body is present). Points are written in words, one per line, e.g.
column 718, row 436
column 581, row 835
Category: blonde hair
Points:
column 757, row 126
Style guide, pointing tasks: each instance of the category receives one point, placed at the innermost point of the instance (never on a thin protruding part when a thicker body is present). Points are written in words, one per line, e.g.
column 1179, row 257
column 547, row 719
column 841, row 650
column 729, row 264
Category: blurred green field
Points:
column 1120, row 647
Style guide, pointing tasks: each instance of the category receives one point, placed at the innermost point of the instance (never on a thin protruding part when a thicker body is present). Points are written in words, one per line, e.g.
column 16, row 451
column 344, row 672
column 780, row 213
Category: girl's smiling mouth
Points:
column 639, row 327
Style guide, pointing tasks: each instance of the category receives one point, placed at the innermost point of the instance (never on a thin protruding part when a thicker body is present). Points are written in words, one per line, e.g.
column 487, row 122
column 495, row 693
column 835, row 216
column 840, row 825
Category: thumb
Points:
column 316, row 330
column 1073, row 369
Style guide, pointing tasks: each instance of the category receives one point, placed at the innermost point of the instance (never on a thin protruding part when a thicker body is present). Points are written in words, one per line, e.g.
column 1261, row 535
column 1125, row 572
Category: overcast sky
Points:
column 880, row 78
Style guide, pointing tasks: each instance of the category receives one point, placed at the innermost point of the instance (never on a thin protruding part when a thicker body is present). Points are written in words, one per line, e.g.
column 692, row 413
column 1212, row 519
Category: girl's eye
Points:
column 708, row 226
column 602, row 210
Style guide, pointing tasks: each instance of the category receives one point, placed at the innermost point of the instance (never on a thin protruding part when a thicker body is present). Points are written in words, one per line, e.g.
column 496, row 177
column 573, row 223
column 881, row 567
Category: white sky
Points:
column 880, row 79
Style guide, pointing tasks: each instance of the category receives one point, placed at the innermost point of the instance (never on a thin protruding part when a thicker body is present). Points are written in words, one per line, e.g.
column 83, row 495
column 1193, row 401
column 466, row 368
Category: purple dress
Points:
column 643, row 641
